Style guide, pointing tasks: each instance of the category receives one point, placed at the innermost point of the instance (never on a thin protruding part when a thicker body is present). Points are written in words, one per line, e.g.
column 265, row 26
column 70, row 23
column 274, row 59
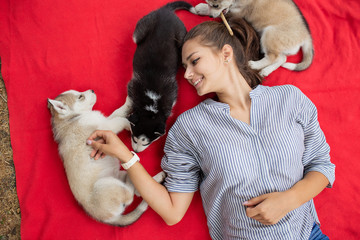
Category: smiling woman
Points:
column 256, row 153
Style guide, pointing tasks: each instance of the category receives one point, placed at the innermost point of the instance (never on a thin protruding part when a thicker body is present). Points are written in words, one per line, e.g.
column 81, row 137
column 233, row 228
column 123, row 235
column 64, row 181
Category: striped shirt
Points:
column 231, row 161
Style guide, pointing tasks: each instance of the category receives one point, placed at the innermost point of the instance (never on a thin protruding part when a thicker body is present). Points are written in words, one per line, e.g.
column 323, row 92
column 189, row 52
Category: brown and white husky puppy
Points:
column 280, row 23
column 98, row 185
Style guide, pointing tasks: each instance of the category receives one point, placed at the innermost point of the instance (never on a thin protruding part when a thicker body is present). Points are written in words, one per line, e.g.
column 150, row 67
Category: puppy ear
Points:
column 160, row 130
column 133, row 119
column 58, row 106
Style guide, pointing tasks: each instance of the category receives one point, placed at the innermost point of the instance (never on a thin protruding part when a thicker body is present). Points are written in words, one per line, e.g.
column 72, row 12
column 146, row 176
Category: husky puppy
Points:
column 282, row 27
column 98, row 185
column 153, row 87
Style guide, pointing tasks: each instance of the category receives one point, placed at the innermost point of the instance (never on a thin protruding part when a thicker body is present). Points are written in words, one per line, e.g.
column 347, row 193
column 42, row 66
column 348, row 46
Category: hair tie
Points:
column 226, row 24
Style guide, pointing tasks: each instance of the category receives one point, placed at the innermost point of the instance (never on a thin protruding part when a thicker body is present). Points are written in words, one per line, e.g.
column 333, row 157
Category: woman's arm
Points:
column 319, row 172
column 170, row 206
column 271, row 208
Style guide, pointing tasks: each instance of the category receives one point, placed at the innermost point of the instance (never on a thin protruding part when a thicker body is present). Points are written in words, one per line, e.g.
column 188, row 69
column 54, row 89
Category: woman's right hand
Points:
column 108, row 143
column 170, row 206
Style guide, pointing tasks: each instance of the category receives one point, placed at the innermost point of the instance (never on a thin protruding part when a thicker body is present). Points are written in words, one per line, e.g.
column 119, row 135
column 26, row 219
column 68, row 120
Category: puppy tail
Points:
column 308, row 55
column 124, row 220
column 173, row 6
column 143, row 27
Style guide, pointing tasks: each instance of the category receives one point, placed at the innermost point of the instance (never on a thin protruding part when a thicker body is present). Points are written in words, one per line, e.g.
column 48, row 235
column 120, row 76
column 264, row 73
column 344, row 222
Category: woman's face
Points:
column 203, row 66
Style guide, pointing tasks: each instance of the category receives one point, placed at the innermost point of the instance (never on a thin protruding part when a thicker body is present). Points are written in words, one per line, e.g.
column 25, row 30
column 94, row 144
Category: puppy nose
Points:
column 92, row 91
column 215, row 6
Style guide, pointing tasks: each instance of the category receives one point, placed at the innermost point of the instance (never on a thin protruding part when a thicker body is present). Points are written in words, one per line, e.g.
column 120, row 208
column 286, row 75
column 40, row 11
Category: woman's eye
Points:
column 194, row 62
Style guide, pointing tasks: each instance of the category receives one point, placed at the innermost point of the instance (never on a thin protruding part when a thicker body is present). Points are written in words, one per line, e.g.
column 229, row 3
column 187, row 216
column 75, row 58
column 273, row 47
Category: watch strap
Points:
column 131, row 162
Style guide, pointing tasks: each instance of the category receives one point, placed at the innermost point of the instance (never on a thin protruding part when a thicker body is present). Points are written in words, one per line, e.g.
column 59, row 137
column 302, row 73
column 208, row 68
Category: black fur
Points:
column 159, row 37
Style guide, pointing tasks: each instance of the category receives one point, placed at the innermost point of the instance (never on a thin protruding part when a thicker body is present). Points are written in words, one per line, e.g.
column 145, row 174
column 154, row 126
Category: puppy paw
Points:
column 137, row 193
column 127, row 125
column 160, row 177
column 124, row 110
column 202, row 9
column 254, row 65
column 121, row 124
column 264, row 73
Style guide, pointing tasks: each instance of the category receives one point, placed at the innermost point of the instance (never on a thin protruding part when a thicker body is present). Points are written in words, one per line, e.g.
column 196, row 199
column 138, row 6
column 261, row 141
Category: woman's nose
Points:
column 188, row 73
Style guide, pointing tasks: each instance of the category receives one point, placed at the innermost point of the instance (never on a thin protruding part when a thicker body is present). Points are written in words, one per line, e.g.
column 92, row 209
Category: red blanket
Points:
column 47, row 47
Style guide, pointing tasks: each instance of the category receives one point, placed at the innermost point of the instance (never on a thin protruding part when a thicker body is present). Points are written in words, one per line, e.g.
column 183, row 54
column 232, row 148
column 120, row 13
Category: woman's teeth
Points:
column 197, row 82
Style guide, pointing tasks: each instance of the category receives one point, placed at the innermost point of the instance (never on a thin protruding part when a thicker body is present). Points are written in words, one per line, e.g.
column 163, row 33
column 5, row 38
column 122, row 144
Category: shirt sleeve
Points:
column 316, row 155
column 179, row 162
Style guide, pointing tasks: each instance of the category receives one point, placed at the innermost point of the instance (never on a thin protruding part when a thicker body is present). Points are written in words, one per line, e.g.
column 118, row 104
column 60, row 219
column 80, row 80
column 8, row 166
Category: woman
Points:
column 256, row 153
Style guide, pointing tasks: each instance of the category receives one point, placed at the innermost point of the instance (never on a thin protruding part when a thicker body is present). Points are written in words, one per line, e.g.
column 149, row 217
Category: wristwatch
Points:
column 131, row 162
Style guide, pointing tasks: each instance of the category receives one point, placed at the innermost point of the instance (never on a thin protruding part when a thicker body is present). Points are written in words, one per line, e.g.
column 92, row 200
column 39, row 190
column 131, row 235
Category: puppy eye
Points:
column 81, row 97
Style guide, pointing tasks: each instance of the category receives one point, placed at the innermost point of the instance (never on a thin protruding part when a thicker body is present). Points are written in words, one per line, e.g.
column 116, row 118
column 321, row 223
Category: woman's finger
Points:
column 93, row 153
column 98, row 134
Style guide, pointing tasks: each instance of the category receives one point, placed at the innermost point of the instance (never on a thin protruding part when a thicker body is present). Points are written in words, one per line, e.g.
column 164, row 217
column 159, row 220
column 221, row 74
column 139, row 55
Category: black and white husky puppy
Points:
column 153, row 87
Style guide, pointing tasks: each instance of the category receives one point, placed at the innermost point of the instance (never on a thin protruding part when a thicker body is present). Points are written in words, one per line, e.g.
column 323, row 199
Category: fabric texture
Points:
column 47, row 47
column 234, row 161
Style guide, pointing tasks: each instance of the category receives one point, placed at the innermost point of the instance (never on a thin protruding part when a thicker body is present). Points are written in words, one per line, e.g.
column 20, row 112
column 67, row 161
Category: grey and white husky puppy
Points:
column 98, row 185
column 280, row 23
column 153, row 87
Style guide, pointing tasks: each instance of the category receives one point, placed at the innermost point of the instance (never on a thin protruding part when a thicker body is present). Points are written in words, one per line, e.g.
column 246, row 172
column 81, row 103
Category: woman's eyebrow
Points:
column 190, row 56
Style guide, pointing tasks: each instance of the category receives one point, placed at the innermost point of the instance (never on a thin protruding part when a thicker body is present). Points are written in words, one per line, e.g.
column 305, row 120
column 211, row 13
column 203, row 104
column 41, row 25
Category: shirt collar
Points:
column 257, row 91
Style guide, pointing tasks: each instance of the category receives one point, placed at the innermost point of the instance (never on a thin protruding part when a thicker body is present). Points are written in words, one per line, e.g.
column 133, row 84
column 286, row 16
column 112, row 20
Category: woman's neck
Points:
column 235, row 92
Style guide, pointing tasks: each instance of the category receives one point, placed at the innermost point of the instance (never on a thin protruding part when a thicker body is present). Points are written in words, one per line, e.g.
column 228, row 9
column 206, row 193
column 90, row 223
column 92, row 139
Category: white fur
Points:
column 152, row 95
column 151, row 108
column 98, row 185
column 140, row 144
column 155, row 98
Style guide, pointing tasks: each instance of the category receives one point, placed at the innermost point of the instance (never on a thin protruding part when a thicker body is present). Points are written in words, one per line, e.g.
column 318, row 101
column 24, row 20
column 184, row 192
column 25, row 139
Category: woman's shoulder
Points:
column 188, row 122
column 282, row 91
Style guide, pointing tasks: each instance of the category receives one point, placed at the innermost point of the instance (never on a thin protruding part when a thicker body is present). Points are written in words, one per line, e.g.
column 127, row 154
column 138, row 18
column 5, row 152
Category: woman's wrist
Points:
column 293, row 198
column 125, row 157
column 135, row 158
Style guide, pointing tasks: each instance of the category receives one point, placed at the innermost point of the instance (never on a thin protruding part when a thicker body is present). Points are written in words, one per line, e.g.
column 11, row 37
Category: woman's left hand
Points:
column 270, row 208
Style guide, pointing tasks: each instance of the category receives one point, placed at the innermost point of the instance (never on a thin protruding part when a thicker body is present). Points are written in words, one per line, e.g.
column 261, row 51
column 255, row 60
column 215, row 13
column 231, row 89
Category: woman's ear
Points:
column 227, row 52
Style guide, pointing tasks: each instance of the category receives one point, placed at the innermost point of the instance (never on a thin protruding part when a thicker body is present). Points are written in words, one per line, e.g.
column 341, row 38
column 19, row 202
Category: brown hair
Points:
column 245, row 43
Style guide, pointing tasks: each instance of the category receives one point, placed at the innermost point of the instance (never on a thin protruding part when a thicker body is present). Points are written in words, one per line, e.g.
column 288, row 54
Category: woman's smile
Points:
column 198, row 81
